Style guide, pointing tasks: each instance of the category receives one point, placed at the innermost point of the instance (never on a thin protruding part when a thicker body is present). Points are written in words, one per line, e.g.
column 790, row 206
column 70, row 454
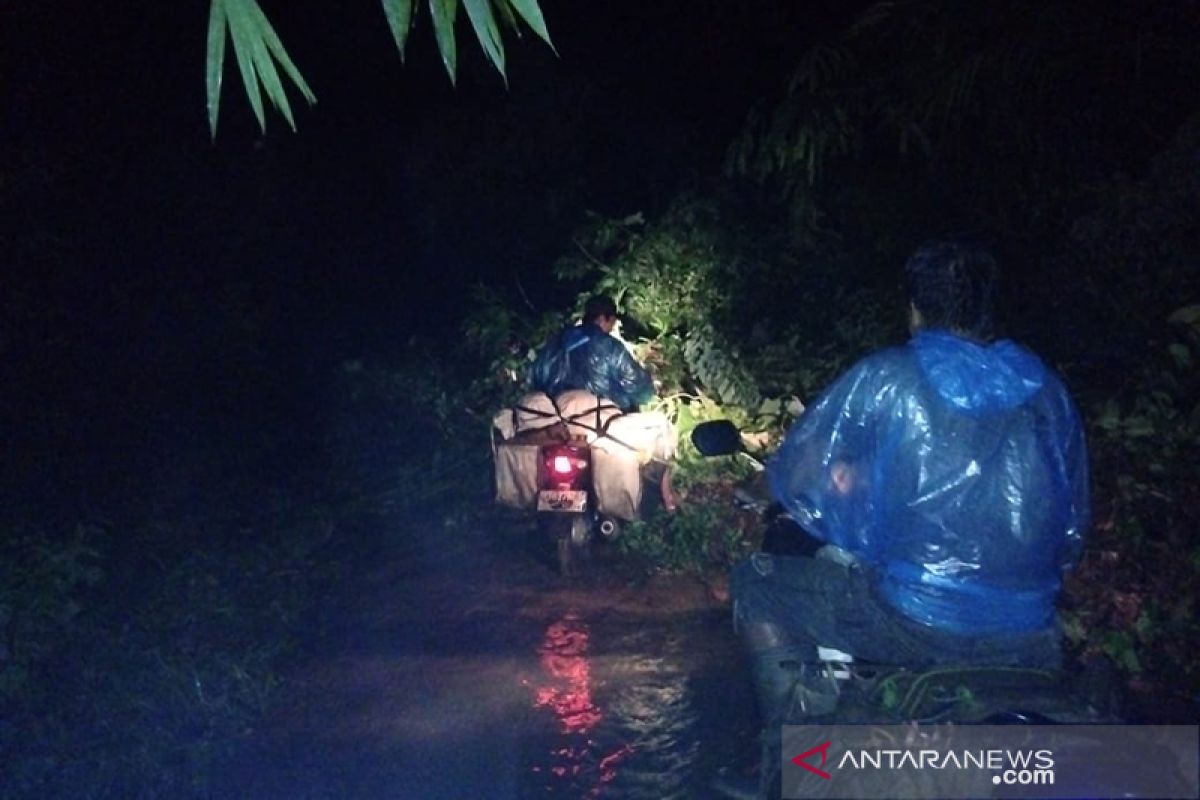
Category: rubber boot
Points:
column 777, row 674
column 788, row 679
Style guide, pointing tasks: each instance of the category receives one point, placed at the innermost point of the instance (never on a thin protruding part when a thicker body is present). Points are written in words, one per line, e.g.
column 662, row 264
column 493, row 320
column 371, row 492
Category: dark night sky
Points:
column 160, row 289
column 393, row 177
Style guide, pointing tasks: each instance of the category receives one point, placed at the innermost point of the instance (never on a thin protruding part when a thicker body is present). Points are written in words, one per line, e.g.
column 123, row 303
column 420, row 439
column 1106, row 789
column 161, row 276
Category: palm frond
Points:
column 487, row 32
column 399, row 15
column 261, row 56
column 215, row 63
column 532, row 14
column 444, row 13
column 258, row 50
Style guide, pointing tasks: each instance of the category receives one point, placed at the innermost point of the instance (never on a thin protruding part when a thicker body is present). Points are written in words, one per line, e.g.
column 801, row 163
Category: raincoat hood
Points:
column 978, row 378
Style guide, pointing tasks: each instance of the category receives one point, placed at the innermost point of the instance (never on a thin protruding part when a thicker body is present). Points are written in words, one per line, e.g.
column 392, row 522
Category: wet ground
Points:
column 465, row 667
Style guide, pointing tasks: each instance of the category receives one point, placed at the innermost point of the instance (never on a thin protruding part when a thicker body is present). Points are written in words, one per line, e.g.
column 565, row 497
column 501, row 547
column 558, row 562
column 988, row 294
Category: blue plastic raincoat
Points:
column 957, row 471
column 585, row 357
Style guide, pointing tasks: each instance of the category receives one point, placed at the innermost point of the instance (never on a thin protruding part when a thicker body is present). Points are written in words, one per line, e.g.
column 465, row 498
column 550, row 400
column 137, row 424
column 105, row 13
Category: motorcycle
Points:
column 855, row 692
column 581, row 466
column 566, row 502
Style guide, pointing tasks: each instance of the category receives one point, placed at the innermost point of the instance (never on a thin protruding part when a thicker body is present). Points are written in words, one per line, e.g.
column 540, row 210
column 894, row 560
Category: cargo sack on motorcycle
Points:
column 519, row 433
column 622, row 445
column 582, row 413
column 630, row 444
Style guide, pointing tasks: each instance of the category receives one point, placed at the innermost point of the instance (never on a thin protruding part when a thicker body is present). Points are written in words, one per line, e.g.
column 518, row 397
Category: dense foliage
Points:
column 994, row 116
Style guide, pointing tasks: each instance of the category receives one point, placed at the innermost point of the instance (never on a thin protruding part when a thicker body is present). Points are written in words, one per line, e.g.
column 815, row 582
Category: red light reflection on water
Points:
column 565, row 687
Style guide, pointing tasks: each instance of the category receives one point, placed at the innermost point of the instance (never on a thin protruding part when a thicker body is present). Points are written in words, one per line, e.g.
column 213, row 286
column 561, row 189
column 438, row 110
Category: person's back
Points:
column 969, row 488
column 586, row 356
column 952, row 471
column 987, row 509
column 949, row 479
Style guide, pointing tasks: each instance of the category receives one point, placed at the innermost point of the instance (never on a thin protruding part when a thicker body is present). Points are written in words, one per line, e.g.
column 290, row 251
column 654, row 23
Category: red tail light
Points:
column 564, row 464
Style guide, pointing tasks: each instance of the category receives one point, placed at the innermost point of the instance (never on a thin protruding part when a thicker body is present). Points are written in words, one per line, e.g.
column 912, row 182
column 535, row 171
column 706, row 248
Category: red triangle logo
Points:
column 823, row 749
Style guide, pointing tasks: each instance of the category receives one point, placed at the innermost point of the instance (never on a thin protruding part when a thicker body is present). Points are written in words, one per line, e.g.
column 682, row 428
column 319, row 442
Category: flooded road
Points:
column 464, row 667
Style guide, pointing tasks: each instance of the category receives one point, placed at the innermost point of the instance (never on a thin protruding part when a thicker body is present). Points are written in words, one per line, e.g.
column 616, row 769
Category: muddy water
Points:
column 466, row 668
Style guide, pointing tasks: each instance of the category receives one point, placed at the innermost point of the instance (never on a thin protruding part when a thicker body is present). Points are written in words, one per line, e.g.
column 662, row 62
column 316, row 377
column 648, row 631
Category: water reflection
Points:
column 622, row 724
column 567, row 683
column 576, row 765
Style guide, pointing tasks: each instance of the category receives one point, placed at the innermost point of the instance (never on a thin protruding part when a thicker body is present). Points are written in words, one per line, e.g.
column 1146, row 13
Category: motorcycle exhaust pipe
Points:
column 608, row 528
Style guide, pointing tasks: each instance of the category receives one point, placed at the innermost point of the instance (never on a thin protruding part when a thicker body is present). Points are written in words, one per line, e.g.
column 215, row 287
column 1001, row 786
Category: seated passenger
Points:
column 950, row 477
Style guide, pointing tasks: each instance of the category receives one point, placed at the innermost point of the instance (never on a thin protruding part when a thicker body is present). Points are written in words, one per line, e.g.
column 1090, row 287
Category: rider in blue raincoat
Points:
column 948, row 479
column 587, row 356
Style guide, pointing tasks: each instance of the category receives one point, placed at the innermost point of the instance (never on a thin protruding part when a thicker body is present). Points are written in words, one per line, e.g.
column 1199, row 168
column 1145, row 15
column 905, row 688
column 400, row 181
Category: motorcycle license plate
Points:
column 562, row 500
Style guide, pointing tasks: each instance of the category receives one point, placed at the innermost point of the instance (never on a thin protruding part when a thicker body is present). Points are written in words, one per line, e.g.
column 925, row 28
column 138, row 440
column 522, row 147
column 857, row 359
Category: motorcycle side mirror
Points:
column 719, row 437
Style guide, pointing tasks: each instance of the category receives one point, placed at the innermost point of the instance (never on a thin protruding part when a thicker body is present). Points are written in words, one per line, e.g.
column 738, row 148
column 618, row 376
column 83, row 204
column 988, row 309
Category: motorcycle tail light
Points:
column 564, row 465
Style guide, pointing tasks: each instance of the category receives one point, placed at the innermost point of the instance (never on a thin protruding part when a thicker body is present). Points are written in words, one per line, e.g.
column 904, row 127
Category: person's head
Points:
column 601, row 311
column 951, row 285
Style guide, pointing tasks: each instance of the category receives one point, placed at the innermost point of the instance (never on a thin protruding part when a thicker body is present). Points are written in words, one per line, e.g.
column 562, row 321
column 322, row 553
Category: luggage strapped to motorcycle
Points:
column 600, row 428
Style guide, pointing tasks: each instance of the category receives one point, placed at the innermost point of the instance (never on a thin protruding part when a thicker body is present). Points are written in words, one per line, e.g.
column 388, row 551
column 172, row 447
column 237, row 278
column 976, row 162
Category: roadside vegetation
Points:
column 743, row 320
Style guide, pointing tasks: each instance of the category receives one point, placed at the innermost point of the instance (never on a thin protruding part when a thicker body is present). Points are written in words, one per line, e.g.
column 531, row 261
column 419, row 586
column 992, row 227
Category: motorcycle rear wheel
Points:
column 572, row 535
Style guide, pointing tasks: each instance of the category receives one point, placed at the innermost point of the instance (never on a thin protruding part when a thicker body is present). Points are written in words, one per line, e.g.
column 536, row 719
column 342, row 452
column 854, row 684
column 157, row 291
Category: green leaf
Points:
column 267, row 75
column 1188, row 315
column 240, row 28
column 1138, row 426
column 1181, row 354
column 889, row 697
column 1073, row 628
column 275, row 47
column 215, row 66
column 1119, row 647
column 532, row 14
column 258, row 49
column 685, row 420
column 507, row 16
column 488, row 33
column 444, row 13
column 399, row 19
column 1109, row 416
column 1145, row 628
column 770, row 407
